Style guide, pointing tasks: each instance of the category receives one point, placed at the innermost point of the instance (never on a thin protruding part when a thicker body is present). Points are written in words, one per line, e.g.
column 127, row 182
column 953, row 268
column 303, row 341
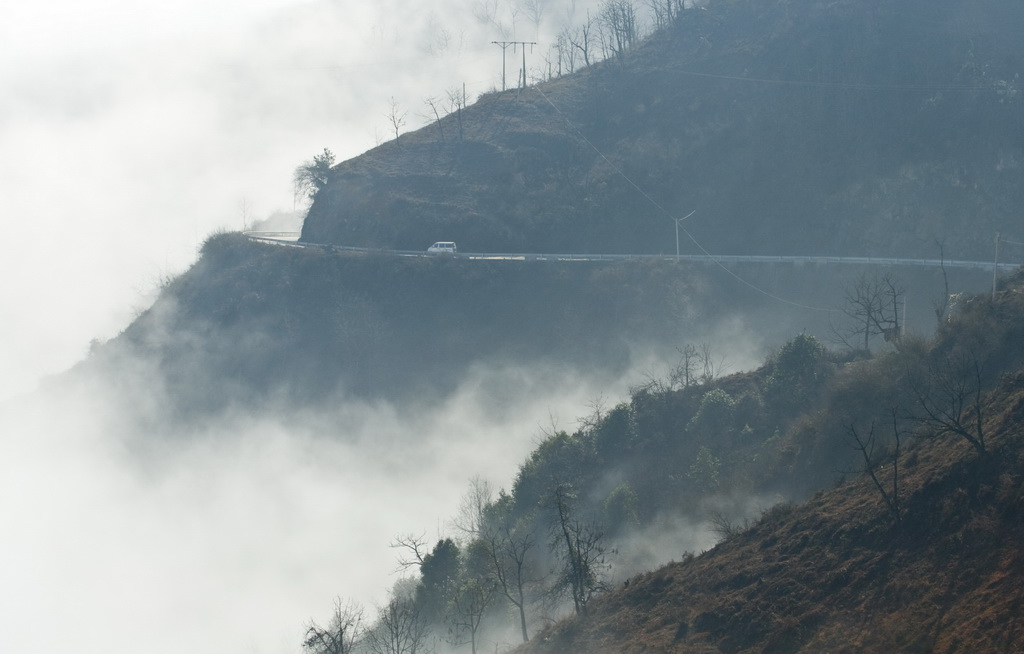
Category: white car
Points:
column 443, row 247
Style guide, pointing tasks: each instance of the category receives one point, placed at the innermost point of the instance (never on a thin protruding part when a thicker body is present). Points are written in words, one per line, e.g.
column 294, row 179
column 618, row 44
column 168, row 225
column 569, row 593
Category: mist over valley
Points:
column 289, row 447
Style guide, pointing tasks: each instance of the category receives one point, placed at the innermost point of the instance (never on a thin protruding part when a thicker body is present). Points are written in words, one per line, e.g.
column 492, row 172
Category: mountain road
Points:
column 292, row 239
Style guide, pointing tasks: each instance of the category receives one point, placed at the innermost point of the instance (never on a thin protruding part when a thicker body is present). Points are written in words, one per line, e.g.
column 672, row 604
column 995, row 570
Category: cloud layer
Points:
column 131, row 130
column 228, row 538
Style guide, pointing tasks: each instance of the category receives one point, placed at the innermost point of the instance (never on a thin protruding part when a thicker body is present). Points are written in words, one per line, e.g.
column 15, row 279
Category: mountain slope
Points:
column 837, row 573
column 796, row 127
column 857, row 128
column 942, row 572
column 252, row 322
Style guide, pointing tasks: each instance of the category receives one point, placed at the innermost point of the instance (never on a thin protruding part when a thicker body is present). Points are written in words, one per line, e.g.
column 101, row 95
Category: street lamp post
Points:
column 677, row 221
column 995, row 268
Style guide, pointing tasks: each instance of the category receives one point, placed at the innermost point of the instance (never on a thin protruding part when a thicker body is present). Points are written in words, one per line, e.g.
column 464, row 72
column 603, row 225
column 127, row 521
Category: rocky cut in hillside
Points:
column 796, row 127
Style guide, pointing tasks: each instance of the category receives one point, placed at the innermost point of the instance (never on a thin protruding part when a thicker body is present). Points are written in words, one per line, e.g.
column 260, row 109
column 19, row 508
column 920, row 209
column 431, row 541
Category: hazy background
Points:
column 129, row 130
column 230, row 537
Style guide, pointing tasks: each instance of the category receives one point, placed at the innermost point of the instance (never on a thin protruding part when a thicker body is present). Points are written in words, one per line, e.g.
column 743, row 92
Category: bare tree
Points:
column 872, row 304
column 470, row 606
column 396, row 116
column 725, row 527
column 441, row 39
column 684, row 374
column 245, row 209
column 472, row 508
column 435, row 110
column 342, row 633
column 619, row 28
column 548, row 69
column 696, row 365
column 474, row 596
column 950, row 397
column 581, row 547
column 566, row 52
column 415, row 550
column 535, row 11
column 893, row 295
column 509, row 542
column 597, row 413
column 400, row 629
column 710, row 368
column 487, row 12
column 665, row 12
column 456, row 104
column 873, row 456
column 581, row 38
column 941, row 306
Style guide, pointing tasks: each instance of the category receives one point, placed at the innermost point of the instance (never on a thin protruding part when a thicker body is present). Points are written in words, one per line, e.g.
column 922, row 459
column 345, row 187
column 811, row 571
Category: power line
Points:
column 404, row 61
column 857, row 86
column 504, row 45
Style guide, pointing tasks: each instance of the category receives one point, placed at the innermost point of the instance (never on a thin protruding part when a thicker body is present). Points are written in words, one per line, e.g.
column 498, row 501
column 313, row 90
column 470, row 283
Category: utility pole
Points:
column 904, row 327
column 995, row 268
column 504, row 46
column 523, row 86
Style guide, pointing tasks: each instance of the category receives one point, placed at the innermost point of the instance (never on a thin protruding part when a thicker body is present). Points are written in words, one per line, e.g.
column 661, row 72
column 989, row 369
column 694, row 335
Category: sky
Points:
column 130, row 130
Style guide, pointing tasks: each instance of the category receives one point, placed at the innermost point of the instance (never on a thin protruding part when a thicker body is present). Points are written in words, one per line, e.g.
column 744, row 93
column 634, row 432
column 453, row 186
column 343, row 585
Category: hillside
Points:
column 838, row 574
column 860, row 504
column 772, row 121
column 252, row 323
column 915, row 549
column 939, row 570
column 799, row 127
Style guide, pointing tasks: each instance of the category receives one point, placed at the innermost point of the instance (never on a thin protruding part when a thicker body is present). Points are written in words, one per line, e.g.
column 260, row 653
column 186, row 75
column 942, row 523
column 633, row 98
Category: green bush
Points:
column 620, row 509
column 800, row 370
column 715, row 415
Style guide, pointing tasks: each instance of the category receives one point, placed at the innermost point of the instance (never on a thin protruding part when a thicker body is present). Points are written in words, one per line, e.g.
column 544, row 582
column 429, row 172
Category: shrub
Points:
column 799, row 370
column 704, row 470
column 715, row 414
column 620, row 509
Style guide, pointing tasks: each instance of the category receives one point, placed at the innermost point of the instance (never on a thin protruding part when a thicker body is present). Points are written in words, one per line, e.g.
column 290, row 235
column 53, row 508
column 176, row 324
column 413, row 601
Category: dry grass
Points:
column 838, row 574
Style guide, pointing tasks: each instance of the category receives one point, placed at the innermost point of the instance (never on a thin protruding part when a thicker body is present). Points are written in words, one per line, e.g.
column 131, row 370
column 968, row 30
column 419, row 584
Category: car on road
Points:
column 443, row 248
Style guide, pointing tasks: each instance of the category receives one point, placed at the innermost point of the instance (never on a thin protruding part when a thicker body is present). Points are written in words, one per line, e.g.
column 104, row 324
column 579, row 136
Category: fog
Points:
column 128, row 132
column 131, row 130
column 125, row 531
column 228, row 539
